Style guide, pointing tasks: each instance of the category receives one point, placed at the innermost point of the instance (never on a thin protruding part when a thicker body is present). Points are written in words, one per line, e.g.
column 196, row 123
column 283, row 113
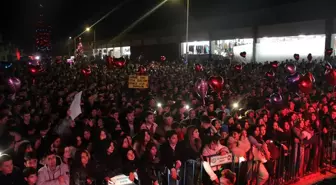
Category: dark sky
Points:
column 70, row 17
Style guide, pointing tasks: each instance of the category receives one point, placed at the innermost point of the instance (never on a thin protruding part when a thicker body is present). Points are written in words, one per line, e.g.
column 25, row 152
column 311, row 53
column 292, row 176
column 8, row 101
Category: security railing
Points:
column 295, row 160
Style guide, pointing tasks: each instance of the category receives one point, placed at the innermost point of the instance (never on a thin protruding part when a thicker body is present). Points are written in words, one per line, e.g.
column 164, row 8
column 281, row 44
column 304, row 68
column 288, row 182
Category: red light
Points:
column 33, row 70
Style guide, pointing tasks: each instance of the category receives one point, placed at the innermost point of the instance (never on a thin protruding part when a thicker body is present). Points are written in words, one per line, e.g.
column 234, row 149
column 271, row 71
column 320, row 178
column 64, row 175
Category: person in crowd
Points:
column 110, row 164
column 30, row 176
column 150, row 166
column 130, row 165
column 9, row 174
column 31, row 161
column 171, row 155
column 54, row 171
column 84, row 171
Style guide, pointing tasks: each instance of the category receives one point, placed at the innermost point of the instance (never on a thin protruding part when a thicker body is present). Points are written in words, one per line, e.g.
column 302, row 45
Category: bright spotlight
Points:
column 235, row 105
column 159, row 105
column 70, row 38
column 187, row 107
column 87, row 29
column 37, row 57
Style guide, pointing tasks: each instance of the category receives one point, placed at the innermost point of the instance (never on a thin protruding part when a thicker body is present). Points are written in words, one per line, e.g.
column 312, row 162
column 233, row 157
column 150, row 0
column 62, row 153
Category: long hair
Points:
column 194, row 143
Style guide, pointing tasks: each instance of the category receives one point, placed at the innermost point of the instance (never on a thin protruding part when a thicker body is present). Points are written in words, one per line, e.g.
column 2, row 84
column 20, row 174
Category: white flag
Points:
column 75, row 108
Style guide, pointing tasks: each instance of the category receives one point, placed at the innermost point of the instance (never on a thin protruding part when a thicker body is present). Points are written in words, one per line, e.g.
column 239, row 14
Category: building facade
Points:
column 264, row 34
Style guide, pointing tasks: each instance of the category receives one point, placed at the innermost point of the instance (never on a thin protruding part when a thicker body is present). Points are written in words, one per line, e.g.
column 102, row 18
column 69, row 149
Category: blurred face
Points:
column 152, row 103
column 116, row 116
column 173, row 139
column 94, row 112
column 153, row 151
column 195, row 134
column 287, row 126
column 263, row 131
column 235, row 135
column 26, row 117
column 325, row 109
column 275, row 125
column 78, row 140
column 51, row 161
column 125, row 143
column 84, row 158
column 87, row 135
column 57, row 142
column 192, row 114
column 130, row 117
column 265, row 118
column 244, row 133
column 67, row 153
column 257, row 131
column 211, row 107
column 130, row 155
column 302, row 124
column 32, row 179
column 110, row 149
column 276, row 117
column 150, row 119
column 129, row 140
column 147, row 137
column 29, row 149
column 7, row 167
column 217, row 125
column 213, row 145
column 32, row 163
column 102, row 135
column 333, row 115
column 169, row 121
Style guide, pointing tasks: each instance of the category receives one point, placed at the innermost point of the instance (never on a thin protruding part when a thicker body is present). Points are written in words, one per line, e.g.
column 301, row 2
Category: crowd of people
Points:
column 154, row 135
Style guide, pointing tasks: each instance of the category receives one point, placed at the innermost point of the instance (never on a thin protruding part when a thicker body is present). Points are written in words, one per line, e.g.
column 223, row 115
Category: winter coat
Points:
column 48, row 177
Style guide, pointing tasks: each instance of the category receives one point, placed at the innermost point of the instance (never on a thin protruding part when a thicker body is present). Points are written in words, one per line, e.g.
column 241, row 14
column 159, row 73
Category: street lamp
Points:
column 70, row 38
column 187, row 31
column 87, row 29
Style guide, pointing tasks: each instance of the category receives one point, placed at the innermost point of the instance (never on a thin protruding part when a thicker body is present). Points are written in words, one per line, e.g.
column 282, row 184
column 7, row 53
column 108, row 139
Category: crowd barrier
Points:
column 293, row 162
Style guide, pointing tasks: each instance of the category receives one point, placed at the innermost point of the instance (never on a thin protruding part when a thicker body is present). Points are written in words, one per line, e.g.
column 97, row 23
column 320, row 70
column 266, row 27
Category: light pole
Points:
column 187, row 31
column 94, row 37
column 87, row 29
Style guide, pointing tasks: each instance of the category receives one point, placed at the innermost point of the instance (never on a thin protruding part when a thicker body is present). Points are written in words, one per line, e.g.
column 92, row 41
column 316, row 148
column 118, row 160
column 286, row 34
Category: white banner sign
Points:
column 220, row 159
column 75, row 107
column 122, row 180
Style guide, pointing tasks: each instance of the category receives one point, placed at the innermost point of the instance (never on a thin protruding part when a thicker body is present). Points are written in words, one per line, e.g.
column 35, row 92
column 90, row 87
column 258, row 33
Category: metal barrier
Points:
column 310, row 156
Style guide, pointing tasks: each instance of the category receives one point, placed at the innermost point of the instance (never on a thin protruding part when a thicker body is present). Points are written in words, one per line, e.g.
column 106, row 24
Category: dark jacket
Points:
column 170, row 156
column 15, row 178
column 80, row 174
column 148, row 173
column 109, row 165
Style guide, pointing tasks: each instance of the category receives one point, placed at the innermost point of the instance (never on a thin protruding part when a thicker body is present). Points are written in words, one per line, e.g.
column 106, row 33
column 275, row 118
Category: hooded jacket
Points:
column 48, row 177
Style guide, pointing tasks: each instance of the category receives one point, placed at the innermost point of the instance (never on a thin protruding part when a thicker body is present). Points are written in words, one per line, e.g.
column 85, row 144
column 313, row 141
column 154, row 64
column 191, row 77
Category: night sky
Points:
column 70, row 17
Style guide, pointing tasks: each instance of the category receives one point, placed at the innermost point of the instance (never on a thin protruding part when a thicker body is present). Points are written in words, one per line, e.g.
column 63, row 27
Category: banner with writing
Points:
column 220, row 159
column 121, row 180
column 138, row 82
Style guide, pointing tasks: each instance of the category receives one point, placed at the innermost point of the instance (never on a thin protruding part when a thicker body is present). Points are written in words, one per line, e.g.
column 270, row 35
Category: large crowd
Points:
column 154, row 135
